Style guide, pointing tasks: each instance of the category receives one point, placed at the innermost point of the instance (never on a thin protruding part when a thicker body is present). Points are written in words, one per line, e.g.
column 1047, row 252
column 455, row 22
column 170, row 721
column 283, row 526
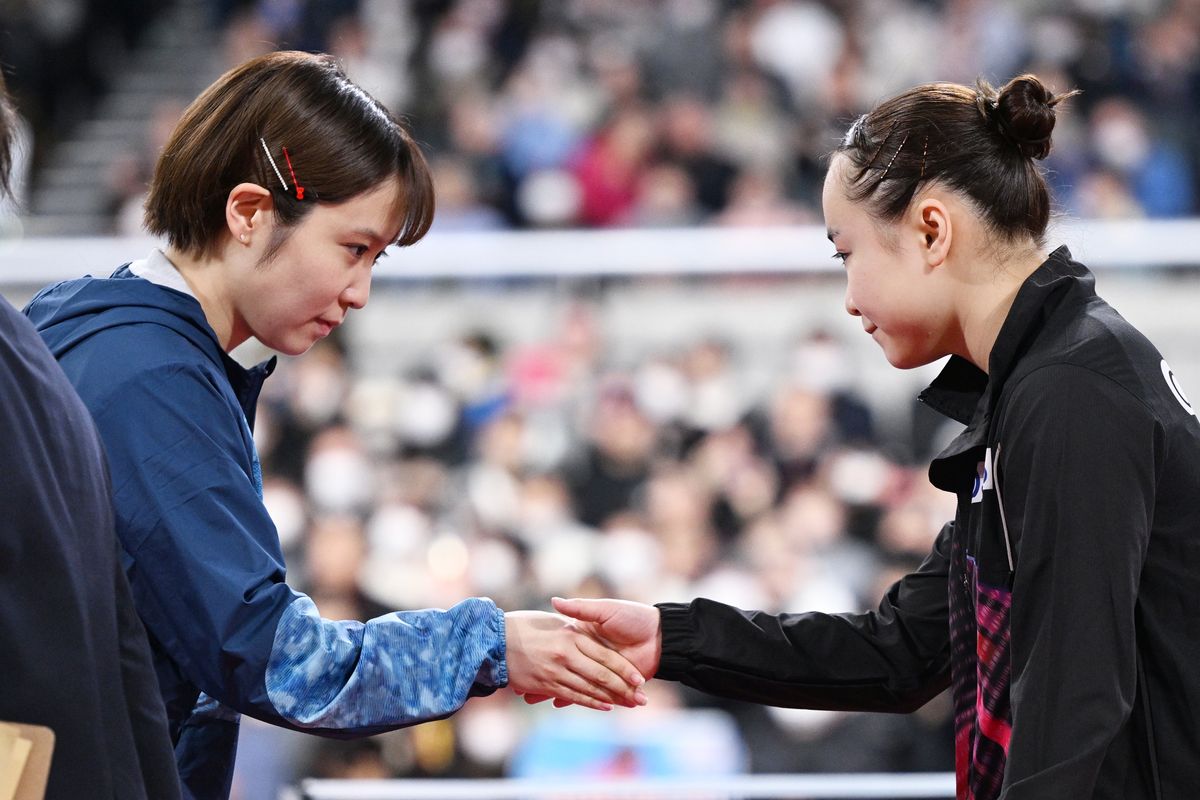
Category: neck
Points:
column 987, row 302
column 207, row 277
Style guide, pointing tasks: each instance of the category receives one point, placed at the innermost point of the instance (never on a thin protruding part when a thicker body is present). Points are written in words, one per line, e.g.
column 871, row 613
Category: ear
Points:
column 934, row 229
column 247, row 210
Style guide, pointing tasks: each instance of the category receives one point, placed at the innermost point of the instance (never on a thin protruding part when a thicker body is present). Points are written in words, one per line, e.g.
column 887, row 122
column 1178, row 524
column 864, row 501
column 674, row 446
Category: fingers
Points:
column 611, row 671
column 551, row 656
column 581, row 677
column 571, row 688
column 586, row 673
column 586, row 610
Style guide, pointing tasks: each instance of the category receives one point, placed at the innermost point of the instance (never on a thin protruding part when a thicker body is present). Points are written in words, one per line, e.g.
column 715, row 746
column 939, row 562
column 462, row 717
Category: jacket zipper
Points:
column 1000, row 504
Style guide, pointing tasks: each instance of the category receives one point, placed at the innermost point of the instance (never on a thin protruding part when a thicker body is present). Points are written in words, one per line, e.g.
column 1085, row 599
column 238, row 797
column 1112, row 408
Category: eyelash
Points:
column 360, row 250
column 840, row 256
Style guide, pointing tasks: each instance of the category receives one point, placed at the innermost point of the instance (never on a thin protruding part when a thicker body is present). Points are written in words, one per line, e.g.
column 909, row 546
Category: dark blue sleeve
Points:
column 209, row 579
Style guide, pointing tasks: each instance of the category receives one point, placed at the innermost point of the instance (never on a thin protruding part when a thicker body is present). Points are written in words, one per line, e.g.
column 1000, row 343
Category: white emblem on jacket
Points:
column 1173, row 385
column 983, row 477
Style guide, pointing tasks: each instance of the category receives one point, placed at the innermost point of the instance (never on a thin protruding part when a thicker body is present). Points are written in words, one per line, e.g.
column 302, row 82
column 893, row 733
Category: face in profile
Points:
column 888, row 285
column 322, row 271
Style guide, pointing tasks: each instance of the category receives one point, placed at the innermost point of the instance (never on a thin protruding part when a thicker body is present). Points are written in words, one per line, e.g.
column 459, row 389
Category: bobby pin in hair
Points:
column 882, row 142
column 278, row 174
column 893, row 159
column 299, row 188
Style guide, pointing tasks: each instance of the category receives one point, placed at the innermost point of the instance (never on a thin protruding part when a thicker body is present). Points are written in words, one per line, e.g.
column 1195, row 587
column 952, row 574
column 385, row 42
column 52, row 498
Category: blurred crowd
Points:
column 59, row 58
column 679, row 112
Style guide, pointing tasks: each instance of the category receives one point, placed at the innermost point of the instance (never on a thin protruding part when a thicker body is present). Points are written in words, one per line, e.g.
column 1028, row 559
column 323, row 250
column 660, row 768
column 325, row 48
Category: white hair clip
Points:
column 278, row 174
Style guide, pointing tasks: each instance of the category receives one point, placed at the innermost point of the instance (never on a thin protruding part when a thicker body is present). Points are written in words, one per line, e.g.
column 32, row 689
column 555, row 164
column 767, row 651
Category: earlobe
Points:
column 936, row 233
column 246, row 209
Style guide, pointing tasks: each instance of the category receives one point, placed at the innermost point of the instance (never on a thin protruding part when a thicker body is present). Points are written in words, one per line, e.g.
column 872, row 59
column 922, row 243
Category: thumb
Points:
column 583, row 610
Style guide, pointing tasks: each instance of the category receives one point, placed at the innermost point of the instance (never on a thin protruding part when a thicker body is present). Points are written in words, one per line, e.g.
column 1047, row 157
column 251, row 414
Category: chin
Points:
column 905, row 360
column 299, row 351
column 291, row 348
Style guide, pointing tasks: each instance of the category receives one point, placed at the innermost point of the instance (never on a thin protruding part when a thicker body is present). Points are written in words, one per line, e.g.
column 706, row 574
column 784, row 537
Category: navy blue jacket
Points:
column 203, row 556
column 73, row 654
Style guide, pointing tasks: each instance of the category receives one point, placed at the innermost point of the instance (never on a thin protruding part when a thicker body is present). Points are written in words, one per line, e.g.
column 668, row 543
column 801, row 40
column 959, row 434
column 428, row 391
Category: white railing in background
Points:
column 651, row 251
column 780, row 787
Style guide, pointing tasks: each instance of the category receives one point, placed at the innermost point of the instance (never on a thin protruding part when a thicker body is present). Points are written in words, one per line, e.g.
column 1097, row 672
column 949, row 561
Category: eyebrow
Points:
column 372, row 235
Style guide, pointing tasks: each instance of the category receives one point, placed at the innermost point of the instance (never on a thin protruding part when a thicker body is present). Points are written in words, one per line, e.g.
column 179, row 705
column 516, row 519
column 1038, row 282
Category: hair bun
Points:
column 1023, row 112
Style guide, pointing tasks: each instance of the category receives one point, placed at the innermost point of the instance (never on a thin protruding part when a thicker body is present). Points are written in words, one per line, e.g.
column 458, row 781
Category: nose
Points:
column 851, row 309
column 355, row 295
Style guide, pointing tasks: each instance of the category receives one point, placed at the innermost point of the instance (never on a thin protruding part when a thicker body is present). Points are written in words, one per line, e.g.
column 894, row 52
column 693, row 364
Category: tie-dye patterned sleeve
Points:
column 397, row 669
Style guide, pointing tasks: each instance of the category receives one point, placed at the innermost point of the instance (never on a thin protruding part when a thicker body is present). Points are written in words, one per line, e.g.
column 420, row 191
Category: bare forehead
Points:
column 836, row 174
column 833, row 193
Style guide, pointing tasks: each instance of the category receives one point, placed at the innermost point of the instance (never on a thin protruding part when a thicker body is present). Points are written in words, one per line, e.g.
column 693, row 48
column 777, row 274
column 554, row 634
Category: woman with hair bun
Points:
column 1056, row 604
column 276, row 193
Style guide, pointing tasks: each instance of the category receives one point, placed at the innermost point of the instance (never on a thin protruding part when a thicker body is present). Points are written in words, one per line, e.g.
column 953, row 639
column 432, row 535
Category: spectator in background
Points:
column 610, row 166
column 1156, row 172
column 688, row 141
column 616, row 461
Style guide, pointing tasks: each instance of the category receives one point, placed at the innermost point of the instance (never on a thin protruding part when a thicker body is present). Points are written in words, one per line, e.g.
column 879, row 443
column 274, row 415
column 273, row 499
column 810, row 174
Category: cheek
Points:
column 862, row 292
column 318, row 287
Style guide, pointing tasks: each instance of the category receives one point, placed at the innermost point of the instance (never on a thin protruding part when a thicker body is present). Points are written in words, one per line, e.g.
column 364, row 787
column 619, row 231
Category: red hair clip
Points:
column 278, row 174
column 299, row 188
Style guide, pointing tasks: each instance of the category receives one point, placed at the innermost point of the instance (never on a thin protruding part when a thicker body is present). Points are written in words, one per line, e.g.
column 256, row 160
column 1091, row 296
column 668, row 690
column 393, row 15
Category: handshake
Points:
column 593, row 653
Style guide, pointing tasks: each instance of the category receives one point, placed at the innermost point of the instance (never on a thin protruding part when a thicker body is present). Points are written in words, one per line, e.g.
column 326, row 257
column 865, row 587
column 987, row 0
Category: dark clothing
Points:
column 229, row 635
column 1056, row 603
column 73, row 653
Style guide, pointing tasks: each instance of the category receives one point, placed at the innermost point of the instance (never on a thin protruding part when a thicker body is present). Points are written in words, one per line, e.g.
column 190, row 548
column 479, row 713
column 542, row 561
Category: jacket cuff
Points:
column 678, row 640
column 493, row 673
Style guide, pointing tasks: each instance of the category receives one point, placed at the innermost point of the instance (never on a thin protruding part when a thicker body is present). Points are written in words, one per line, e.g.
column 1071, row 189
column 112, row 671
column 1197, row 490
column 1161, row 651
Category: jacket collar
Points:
column 965, row 393
column 246, row 382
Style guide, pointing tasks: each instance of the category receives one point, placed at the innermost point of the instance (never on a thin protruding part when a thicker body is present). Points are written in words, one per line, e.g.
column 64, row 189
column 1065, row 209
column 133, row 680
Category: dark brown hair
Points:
column 340, row 142
column 8, row 134
column 979, row 141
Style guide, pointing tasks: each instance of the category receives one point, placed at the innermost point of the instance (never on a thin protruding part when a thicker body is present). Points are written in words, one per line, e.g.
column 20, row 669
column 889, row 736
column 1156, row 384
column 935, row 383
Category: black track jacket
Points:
column 1061, row 602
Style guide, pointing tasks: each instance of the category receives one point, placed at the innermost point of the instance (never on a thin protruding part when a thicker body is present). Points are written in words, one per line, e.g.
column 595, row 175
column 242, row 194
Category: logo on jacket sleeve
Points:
column 983, row 477
column 1173, row 385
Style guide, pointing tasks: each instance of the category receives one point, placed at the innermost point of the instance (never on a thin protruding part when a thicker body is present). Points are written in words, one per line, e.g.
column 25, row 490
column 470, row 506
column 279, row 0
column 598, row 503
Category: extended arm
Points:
column 893, row 659
column 210, row 585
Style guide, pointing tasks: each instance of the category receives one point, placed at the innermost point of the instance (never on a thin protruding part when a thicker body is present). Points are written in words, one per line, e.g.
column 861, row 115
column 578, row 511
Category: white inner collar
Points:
column 157, row 268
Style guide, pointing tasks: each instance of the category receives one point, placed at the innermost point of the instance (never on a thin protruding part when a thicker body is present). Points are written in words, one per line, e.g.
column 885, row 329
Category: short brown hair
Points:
column 340, row 142
column 980, row 141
